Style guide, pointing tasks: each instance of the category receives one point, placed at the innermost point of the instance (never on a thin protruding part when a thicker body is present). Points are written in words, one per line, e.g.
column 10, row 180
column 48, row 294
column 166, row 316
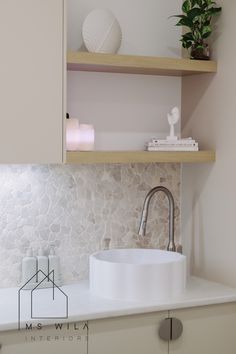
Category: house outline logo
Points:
column 55, row 291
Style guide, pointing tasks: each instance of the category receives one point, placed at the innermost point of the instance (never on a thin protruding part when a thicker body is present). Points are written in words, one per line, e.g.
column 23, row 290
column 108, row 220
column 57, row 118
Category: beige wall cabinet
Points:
column 46, row 341
column 127, row 335
column 31, row 81
column 206, row 330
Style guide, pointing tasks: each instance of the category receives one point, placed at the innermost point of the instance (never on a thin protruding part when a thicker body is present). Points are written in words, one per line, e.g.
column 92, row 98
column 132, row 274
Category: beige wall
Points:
column 209, row 192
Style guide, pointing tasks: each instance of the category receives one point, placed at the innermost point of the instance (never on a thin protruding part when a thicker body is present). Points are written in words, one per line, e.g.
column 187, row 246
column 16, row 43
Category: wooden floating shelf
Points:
column 131, row 64
column 123, row 157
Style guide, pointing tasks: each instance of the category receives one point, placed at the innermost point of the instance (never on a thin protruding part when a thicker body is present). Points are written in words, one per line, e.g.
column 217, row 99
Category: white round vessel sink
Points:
column 137, row 274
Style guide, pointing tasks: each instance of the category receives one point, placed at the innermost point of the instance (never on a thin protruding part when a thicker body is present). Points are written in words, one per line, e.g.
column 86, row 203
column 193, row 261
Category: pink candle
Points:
column 86, row 137
column 72, row 134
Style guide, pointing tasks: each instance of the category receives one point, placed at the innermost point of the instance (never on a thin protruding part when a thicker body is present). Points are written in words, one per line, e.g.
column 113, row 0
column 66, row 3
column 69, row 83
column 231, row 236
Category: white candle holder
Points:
column 86, row 137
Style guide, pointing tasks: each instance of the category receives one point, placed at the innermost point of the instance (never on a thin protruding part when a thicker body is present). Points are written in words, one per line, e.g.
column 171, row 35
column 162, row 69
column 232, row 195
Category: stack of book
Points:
column 172, row 145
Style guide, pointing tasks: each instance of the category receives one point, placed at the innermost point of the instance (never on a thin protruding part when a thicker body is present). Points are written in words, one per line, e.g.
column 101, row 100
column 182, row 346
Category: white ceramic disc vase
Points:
column 101, row 32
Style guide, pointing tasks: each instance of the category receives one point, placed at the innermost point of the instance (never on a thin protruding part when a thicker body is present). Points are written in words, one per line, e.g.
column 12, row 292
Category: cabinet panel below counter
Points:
column 136, row 334
column 57, row 339
column 206, row 330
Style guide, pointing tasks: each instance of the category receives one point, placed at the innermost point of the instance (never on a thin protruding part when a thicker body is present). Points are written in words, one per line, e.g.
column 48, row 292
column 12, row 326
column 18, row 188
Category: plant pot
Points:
column 200, row 51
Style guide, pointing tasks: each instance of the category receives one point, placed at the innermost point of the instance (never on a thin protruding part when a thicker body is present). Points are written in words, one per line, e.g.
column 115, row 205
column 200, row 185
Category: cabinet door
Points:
column 48, row 340
column 206, row 330
column 127, row 335
column 31, row 81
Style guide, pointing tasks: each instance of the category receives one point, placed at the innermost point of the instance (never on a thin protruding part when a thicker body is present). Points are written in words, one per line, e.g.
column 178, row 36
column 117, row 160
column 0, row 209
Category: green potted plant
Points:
column 197, row 17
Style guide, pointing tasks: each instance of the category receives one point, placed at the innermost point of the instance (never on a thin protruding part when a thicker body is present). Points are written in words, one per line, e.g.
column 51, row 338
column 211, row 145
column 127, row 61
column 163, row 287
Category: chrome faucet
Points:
column 143, row 223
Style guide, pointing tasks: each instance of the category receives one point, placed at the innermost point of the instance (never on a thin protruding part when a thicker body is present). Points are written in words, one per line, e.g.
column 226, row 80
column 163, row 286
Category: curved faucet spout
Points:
column 143, row 224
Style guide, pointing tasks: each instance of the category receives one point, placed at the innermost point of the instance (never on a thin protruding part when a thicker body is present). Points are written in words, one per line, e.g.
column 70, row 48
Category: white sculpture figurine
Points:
column 173, row 118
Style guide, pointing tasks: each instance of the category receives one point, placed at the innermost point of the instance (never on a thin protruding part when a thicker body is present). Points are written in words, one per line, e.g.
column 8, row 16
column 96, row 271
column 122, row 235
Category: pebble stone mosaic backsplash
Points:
column 79, row 210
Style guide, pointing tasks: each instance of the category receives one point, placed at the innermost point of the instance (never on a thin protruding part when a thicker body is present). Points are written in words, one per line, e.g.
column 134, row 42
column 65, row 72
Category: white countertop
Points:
column 83, row 306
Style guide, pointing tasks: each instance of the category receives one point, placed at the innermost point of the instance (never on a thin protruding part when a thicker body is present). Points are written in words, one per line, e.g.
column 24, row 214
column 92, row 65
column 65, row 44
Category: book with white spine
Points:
column 171, row 145
column 172, row 148
column 159, row 142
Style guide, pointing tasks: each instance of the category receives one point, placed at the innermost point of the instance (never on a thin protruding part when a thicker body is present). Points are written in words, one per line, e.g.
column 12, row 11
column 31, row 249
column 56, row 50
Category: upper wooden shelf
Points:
column 131, row 64
column 95, row 157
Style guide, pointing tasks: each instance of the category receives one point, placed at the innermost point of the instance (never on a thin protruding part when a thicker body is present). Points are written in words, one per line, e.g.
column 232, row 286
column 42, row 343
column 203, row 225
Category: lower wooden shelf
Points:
column 122, row 157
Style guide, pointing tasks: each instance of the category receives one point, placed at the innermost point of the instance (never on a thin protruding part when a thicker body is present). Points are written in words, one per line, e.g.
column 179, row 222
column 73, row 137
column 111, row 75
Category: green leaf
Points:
column 178, row 16
column 185, row 21
column 186, row 6
column 206, row 31
column 199, row 46
column 195, row 2
column 213, row 11
column 193, row 13
column 197, row 35
column 188, row 36
column 206, row 34
column 210, row 2
column 186, row 44
column 206, row 22
column 207, row 4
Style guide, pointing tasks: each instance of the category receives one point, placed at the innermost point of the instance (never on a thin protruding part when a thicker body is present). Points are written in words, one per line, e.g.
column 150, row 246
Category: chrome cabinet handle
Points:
column 170, row 329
